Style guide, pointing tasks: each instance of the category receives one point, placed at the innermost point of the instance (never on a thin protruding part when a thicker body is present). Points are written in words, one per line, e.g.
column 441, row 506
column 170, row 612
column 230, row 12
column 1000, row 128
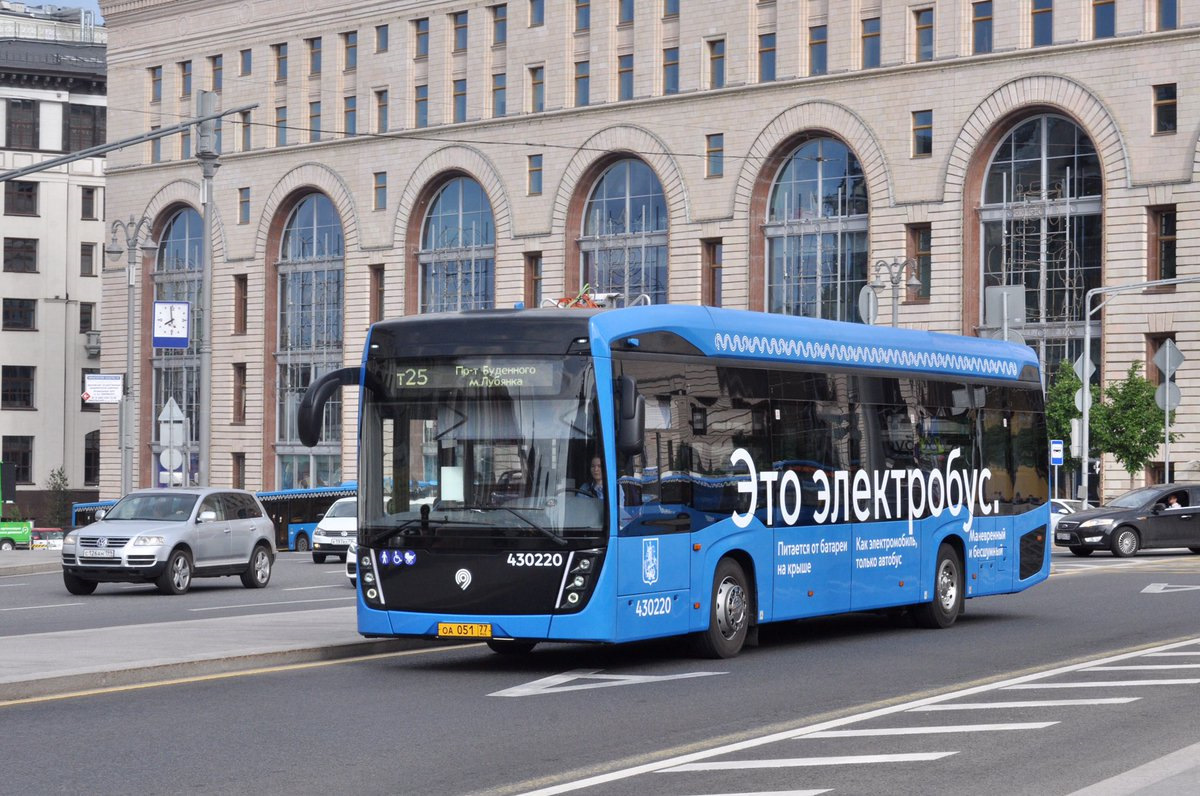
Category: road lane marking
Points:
column 1168, row 588
column 308, row 588
column 1171, row 654
column 1144, row 667
column 949, row 728
column 1145, row 777
column 775, row 793
column 261, row 605
column 35, row 607
column 803, row 762
column 1030, row 703
column 557, row 683
column 1103, row 684
column 10, row 585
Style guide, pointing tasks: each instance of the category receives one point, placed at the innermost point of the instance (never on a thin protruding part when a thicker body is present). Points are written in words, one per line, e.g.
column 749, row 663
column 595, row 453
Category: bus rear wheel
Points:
column 947, row 600
column 301, row 544
column 728, row 613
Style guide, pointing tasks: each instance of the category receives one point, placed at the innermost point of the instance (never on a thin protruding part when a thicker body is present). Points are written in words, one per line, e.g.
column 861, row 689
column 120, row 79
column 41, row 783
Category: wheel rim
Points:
column 181, row 573
column 731, row 608
column 947, row 586
column 262, row 566
column 1127, row 542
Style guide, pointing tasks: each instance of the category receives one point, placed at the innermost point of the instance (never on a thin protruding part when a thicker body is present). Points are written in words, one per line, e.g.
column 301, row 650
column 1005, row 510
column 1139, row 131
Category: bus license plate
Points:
column 464, row 629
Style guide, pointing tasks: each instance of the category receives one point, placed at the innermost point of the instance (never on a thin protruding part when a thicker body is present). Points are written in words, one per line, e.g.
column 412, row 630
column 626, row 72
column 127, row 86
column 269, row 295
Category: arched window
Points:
column 176, row 371
column 624, row 243
column 816, row 233
column 309, row 341
column 458, row 249
column 1042, row 230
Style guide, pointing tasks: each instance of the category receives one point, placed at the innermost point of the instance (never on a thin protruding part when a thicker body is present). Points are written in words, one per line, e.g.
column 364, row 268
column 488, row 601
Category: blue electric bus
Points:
column 612, row 475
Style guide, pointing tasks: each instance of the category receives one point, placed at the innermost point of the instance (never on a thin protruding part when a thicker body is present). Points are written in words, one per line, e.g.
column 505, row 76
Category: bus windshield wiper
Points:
column 544, row 531
column 419, row 521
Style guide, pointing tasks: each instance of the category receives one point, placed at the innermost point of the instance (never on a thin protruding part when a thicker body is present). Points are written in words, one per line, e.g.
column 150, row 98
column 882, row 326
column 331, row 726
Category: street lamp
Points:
column 895, row 271
column 134, row 232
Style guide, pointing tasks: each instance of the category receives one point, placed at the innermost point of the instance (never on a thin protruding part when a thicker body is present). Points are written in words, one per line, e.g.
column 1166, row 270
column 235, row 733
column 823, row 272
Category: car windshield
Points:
column 164, row 508
column 1132, row 500
column 343, row 508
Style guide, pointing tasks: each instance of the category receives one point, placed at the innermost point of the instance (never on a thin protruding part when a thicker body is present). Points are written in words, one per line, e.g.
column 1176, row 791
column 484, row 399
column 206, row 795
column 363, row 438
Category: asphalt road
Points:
column 645, row 719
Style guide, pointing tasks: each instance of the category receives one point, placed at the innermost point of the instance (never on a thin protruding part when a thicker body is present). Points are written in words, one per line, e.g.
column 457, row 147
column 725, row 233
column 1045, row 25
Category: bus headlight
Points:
column 577, row 580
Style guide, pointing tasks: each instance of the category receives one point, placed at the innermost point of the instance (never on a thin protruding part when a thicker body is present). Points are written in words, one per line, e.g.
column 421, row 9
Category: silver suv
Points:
column 168, row 536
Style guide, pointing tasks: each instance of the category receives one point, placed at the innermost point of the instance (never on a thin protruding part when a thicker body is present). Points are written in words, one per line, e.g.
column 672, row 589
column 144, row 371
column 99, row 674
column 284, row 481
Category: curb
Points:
column 39, row 568
column 83, row 683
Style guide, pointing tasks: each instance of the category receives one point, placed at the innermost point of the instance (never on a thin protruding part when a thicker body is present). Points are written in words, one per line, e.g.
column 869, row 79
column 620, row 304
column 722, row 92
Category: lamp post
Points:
column 137, row 237
column 895, row 271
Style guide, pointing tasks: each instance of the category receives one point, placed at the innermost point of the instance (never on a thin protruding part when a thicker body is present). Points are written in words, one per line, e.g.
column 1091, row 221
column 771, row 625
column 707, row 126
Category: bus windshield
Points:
column 460, row 450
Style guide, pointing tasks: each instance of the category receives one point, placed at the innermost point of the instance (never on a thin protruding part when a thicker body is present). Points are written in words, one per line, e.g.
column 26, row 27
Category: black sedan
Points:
column 1151, row 517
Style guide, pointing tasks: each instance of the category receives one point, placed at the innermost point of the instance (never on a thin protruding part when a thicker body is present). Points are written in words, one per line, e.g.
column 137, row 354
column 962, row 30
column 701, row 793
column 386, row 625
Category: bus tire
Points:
column 7, row 544
column 258, row 572
column 947, row 602
column 177, row 577
column 510, row 646
column 728, row 613
column 77, row 585
column 1125, row 542
column 302, row 543
column 318, row 558
column 1081, row 551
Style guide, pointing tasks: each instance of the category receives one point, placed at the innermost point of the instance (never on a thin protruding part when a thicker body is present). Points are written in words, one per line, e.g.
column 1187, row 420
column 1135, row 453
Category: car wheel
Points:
column 947, row 600
column 318, row 558
column 7, row 545
column 177, row 577
column 301, row 544
column 511, row 647
column 77, row 585
column 342, row 558
column 1082, row 552
column 258, row 571
column 1125, row 542
column 728, row 613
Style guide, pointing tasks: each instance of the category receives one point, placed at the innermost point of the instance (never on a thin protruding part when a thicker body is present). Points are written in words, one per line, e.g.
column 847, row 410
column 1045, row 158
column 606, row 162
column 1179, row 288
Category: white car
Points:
column 1060, row 508
column 336, row 530
column 352, row 564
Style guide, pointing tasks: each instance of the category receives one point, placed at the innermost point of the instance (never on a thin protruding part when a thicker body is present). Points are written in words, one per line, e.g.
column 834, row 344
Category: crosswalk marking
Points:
column 951, row 728
column 801, row 762
column 1103, row 684
column 1030, row 703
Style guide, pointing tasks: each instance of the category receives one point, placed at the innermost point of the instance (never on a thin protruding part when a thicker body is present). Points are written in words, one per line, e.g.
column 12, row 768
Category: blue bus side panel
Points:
column 887, row 564
column 653, row 563
column 990, row 548
column 297, row 528
column 652, row 614
column 811, row 570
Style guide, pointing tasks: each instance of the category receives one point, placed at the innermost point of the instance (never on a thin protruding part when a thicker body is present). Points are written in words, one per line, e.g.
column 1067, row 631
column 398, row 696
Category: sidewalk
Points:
column 42, row 664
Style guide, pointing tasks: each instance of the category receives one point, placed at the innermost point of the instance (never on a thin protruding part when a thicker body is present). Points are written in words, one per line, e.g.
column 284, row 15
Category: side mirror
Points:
column 631, row 417
column 311, row 413
column 207, row 516
column 101, row 514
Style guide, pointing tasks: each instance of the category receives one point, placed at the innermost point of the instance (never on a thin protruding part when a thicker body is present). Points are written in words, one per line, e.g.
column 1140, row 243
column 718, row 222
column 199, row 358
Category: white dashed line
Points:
column 1031, row 703
column 1103, row 684
column 804, row 762
column 950, row 728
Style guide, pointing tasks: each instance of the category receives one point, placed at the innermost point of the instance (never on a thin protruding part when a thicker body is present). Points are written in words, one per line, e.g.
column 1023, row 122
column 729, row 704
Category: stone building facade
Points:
column 415, row 156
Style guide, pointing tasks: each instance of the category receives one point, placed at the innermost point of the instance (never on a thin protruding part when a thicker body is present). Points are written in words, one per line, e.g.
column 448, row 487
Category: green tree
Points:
column 60, row 499
column 1060, row 410
column 1128, row 423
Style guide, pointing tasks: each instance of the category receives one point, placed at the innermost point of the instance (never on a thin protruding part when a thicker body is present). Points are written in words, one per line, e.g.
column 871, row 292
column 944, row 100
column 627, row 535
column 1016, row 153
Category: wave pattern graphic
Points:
column 872, row 355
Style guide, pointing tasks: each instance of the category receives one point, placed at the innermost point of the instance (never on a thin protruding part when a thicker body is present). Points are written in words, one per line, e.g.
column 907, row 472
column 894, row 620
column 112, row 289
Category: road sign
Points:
column 1169, row 358
column 868, row 305
column 1079, row 366
column 100, row 388
column 1056, row 452
column 1167, row 396
column 1081, row 395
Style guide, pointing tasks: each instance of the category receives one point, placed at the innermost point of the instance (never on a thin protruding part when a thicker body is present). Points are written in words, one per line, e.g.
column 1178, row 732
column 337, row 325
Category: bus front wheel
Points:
column 301, row 544
column 947, row 600
column 728, row 613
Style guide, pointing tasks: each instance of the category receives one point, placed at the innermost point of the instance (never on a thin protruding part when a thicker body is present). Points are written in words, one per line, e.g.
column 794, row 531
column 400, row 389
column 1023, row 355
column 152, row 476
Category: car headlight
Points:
column 148, row 541
column 70, row 538
column 1098, row 523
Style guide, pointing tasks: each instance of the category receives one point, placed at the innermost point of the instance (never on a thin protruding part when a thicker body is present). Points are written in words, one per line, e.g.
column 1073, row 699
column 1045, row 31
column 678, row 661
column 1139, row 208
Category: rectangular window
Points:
column 1168, row 14
column 537, row 13
column 537, row 89
column 216, row 72
column 314, row 55
column 421, row 43
column 17, row 389
column 19, row 315
column 421, row 106
column 155, row 147
column 713, row 254
column 1165, row 109
column 350, row 115
column 281, row 59
column 981, row 27
column 155, row 83
column 185, row 79
column 20, row 255
column 1104, row 19
column 670, row 8
column 625, row 12
column 243, row 205
column 87, row 317
column 1161, row 249
column 870, row 43
column 1042, row 12
column 381, row 38
column 245, row 62
column 185, row 144
column 241, row 297
column 379, row 190
column 91, row 457
column 87, row 259
column 583, row 15
column 583, row 71
column 18, row 451
column 533, row 279
column 922, row 134
column 375, row 305
column 535, row 175
column 625, row 77
column 239, row 393
column 459, row 23
column 88, row 203
column 83, row 126
column 499, row 95
column 314, row 121
column 460, row 100
column 716, row 63
column 23, row 124
column 923, row 20
column 766, row 57
column 714, row 154
column 237, row 464
column 499, row 24
column 350, row 51
column 818, row 43
column 671, row 70
column 20, row 198
column 247, row 130
column 919, row 245
column 381, row 110
column 281, row 126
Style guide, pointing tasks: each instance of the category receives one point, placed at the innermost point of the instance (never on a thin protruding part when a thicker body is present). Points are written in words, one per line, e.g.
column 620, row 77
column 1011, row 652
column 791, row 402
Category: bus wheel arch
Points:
column 731, row 607
column 301, row 545
column 949, row 587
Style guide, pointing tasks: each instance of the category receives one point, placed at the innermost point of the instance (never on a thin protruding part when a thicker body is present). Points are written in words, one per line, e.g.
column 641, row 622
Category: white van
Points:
column 336, row 530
